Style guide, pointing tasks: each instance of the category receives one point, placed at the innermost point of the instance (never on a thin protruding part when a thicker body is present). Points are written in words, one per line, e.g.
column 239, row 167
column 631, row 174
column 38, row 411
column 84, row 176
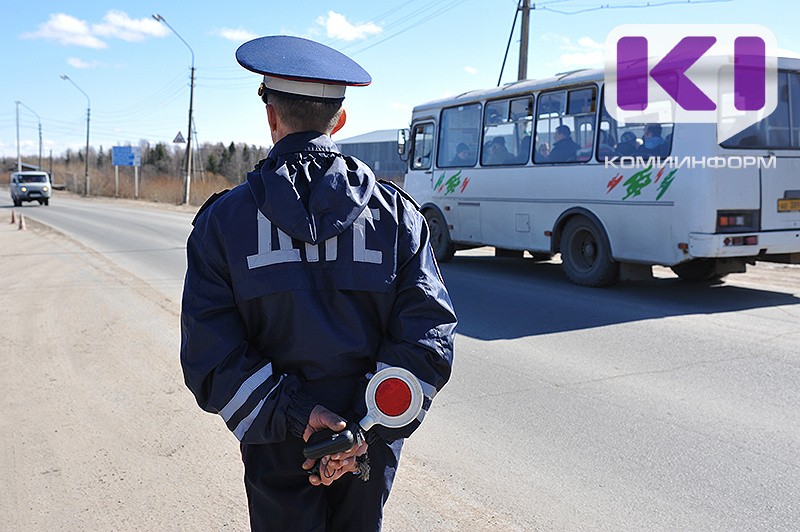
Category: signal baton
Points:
column 394, row 399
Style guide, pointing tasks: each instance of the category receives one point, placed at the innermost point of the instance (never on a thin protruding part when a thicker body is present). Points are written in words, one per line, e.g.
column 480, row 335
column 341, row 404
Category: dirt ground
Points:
column 97, row 431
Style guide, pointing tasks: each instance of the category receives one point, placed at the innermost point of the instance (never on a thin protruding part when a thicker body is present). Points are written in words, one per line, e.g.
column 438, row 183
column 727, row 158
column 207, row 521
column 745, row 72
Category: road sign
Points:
column 126, row 156
column 179, row 138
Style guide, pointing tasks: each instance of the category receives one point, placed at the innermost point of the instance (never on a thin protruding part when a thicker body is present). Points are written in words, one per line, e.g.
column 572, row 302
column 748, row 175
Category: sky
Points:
column 135, row 71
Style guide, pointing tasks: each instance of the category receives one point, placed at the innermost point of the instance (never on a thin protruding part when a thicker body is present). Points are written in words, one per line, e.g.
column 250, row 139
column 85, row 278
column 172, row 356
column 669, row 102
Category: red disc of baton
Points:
column 393, row 397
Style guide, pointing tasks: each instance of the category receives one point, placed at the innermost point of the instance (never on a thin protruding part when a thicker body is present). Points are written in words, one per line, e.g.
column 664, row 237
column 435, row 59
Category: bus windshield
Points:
column 781, row 129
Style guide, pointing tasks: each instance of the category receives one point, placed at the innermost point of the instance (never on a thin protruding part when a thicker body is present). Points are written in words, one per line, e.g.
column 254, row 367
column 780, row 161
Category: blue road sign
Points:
column 126, row 156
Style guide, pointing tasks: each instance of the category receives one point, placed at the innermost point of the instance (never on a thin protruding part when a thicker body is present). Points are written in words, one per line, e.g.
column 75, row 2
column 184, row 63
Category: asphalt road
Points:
column 653, row 405
column 149, row 240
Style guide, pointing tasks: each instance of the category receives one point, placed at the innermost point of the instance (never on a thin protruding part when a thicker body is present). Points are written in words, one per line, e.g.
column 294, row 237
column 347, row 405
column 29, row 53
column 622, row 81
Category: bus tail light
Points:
column 737, row 221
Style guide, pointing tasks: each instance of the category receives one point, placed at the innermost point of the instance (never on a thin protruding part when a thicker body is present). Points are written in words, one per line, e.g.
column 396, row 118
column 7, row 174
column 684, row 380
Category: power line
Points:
column 176, row 85
column 549, row 2
column 407, row 20
column 416, row 13
column 508, row 46
column 624, row 6
column 543, row 6
column 425, row 12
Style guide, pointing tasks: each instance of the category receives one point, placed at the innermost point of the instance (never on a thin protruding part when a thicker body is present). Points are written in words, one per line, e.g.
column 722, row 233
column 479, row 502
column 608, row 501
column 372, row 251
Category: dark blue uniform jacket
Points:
column 300, row 284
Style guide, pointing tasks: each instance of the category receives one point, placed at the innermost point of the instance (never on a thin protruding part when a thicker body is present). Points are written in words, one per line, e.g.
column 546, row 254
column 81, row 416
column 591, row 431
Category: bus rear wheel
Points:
column 586, row 254
column 443, row 247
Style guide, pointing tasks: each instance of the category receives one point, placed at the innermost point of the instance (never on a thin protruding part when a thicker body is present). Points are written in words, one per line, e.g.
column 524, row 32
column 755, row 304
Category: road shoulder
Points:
column 98, row 431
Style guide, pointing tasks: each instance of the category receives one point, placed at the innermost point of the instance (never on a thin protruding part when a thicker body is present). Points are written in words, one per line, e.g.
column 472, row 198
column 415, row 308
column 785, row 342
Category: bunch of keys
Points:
column 326, row 442
column 394, row 399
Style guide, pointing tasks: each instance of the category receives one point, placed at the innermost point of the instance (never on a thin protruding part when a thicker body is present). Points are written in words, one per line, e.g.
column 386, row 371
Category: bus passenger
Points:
column 564, row 148
column 498, row 153
column 654, row 144
column 463, row 156
column 628, row 144
column 605, row 148
column 524, row 149
column 543, row 151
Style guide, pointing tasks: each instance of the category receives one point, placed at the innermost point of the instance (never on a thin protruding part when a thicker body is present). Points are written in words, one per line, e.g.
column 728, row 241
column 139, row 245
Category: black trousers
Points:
column 280, row 497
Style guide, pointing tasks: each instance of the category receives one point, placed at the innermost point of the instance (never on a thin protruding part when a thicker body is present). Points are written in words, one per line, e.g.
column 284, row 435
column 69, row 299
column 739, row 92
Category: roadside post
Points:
column 126, row 156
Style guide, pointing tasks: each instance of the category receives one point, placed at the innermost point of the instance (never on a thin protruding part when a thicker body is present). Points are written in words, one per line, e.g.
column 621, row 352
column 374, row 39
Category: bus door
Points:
column 780, row 193
column 775, row 145
column 780, row 182
column 456, row 178
column 419, row 177
column 421, row 153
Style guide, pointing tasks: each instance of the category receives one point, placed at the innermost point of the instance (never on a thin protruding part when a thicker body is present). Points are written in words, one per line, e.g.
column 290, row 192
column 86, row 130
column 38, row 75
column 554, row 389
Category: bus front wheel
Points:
column 443, row 247
column 586, row 254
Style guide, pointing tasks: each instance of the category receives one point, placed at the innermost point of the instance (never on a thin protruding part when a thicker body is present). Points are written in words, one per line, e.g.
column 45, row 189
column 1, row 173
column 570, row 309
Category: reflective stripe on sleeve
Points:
column 245, row 424
column 245, row 390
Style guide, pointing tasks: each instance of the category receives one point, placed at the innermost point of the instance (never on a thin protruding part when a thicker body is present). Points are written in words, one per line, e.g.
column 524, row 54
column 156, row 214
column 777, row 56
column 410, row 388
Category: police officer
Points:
column 301, row 283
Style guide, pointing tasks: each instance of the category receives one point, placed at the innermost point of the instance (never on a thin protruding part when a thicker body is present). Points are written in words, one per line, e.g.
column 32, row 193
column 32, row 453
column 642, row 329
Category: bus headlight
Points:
column 45, row 189
column 24, row 189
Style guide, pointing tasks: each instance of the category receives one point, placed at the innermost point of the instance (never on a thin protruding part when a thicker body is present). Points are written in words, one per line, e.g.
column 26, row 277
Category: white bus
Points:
column 540, row 166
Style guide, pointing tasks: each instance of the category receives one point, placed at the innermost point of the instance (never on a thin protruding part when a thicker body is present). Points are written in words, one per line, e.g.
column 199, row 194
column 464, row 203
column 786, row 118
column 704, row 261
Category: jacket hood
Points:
column 309, row 189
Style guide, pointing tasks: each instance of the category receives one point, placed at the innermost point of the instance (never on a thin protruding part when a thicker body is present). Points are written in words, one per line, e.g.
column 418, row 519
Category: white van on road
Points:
column 30, row 186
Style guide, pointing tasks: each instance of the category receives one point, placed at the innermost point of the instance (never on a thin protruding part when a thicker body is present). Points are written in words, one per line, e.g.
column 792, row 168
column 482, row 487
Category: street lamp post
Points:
column 191, row 102
column 39, row 119
column 88, row 113
column 19, row 160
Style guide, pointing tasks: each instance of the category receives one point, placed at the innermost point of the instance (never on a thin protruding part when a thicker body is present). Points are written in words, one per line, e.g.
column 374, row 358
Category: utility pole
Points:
column 191, row 103
column 523, row 41
column 189, row 139
column 199, row 155
column 40, row 143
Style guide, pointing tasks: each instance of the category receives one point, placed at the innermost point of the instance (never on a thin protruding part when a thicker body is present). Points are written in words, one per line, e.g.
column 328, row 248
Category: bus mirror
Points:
column 402, row 144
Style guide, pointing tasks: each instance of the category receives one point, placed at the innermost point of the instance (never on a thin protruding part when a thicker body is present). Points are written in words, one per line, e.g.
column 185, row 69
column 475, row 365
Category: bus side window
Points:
column 620, row 139
column 582, row 104
column 459, row 136
column 421, row 146
column 506, row 132
column 565, row 126
column 550, row 116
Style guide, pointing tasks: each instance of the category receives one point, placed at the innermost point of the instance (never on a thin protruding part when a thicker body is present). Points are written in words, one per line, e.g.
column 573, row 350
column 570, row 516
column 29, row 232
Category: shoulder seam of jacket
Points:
column 214, row 197
column 400, row 191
